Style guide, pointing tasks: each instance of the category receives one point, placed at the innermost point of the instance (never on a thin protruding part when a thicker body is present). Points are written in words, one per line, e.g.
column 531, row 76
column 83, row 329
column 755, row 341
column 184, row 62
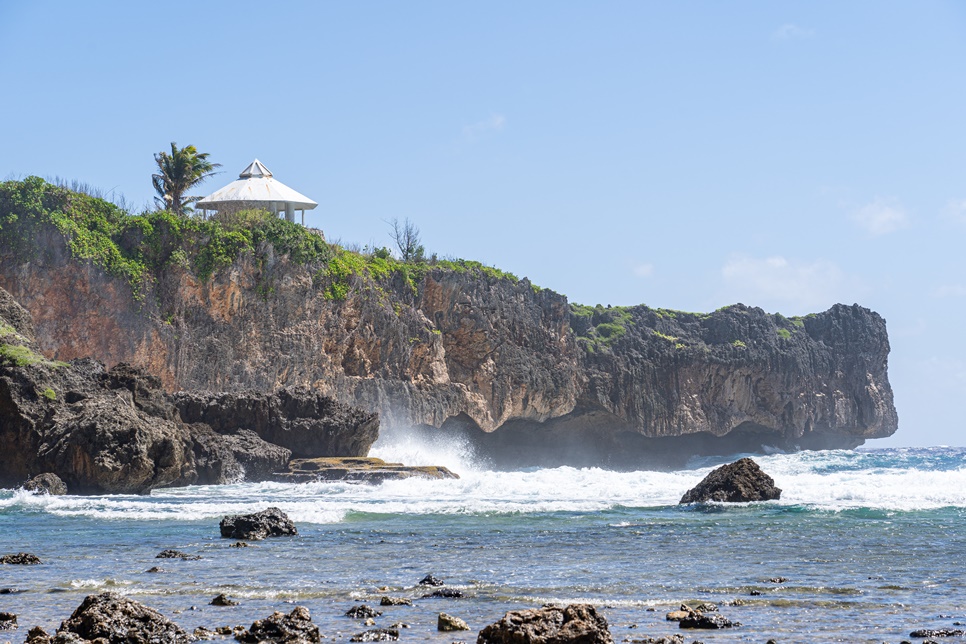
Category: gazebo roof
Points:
column 256, row 185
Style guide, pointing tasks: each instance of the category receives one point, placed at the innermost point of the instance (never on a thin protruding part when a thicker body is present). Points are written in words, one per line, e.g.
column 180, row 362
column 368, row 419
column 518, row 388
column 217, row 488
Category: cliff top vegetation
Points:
column 138, row 247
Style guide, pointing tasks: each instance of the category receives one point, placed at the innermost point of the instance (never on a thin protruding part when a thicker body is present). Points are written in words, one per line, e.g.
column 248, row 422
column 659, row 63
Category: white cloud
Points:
column 881, row 216
column 475, row 131
column 643, row 270
column 788, row 31
column 955, row 211
column 776, row 283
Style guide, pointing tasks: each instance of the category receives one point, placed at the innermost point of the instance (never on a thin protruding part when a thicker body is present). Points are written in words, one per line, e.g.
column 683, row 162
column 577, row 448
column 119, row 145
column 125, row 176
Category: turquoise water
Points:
column 872, row 543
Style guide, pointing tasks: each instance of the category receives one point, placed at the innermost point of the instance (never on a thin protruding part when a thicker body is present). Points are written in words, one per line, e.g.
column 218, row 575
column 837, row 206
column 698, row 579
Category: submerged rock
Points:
column 294, row 628
column 267, row 523
column 119, row 620
column 176, row 554
column 739, row 482
column 376, row 635
column 450, row 593
column 20, row 559
column 447, row 622
column 47, row 483
column 575, row 624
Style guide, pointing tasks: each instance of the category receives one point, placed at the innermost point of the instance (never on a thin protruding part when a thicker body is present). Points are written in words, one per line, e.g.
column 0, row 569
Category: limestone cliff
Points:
column 526, row 375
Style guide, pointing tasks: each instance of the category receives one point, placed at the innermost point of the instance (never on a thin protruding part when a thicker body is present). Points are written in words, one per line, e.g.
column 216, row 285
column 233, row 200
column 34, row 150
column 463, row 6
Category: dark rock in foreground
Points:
column 739, row 482
column 119, row 620
column 294, row 628
column 47, row 483
column 20, row 559
column 267, row 523
column 575, row 624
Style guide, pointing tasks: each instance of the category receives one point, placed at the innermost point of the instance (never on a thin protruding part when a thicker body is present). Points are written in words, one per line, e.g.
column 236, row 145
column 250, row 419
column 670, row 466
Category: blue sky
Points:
column 787, row 155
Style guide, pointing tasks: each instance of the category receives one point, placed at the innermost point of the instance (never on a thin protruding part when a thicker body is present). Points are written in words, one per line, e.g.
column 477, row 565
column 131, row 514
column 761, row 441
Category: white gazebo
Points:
column 257, row 188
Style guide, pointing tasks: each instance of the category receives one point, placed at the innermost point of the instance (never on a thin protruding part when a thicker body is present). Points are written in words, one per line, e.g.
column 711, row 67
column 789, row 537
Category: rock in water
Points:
column 119, row 620
column 376, row 635
column 223, row 600
column 8, row 621
column 362, row 611
column 430, row 580
column 267, row 523
column 294, row 628
column 700, row 620
column 177, row 554
column 738, row 482
column 450, row 623
column 575, row 624
column 46, row 483
column 21, row 559
column 395, row 601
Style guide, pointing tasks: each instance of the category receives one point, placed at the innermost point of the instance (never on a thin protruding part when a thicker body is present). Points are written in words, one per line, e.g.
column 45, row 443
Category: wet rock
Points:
column 376, row 635
column 294, row 628
column 445, row 592
column 239, row 544
column 267, row 523
column 937, row 632
column 399, row 625
column 702, row 621
column 575, row 624
column 8, row 621
column 362, row 611
column 755, row 593
column 223, row 600
column 667, row 639
column 447, row 622
column 8, row 591
column 202, row 633
column 739, row 482
column 395, row 601
column 119, row 620
column 155, row 569
column 47, row 483
column 20, row 559
column 678, row 615
column 177, row 554
column 703, row 607
column 778, row 580
column 430, row 580
column 37, row 635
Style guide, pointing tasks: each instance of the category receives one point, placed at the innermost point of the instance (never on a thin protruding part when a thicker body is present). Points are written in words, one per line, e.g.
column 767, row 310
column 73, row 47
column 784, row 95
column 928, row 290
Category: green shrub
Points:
column 50, row 394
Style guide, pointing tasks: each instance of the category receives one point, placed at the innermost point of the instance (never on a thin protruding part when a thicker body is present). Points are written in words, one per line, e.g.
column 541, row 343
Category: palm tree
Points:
column 178, row 172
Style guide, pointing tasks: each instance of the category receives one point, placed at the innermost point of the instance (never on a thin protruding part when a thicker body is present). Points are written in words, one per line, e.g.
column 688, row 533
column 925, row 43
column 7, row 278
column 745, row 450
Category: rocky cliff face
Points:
column 521, row 372
column 117, row 431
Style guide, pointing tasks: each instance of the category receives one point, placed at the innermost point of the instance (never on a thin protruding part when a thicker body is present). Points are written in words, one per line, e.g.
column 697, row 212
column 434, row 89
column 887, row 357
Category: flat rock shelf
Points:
column 359, row 469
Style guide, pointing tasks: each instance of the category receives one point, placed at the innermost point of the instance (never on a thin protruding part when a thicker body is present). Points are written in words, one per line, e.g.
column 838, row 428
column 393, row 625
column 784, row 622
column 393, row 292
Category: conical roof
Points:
column 256, row 187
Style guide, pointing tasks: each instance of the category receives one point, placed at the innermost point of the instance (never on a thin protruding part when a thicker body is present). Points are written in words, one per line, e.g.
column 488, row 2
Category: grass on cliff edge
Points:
column 137, row 248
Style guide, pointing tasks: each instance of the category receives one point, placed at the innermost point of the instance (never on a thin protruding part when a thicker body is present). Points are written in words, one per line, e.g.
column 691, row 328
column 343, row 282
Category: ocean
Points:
column 864, row 546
